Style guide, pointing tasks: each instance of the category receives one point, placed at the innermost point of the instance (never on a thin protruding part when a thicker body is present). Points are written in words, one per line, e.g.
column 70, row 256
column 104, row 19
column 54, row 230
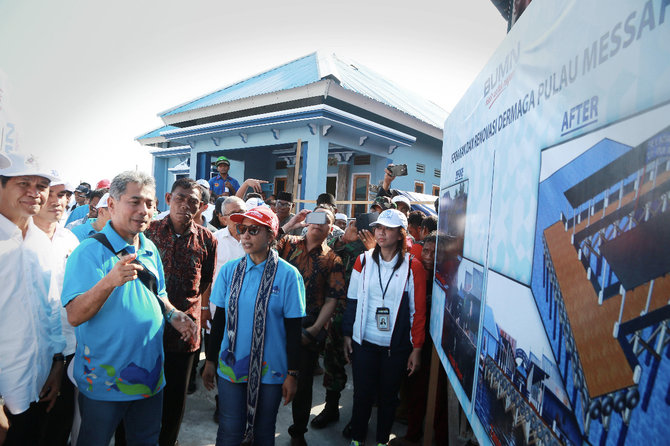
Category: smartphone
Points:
column 363, row 220
column 316, row 218
column 399, row 170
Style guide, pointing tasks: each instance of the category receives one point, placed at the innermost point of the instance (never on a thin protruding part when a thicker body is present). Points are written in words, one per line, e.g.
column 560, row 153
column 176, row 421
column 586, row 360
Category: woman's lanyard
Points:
column 384, row 289
column 382, row 315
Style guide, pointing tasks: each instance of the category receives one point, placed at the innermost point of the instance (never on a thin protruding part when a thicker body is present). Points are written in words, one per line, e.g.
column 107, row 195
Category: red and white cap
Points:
column 103, row 184
column 262, row 215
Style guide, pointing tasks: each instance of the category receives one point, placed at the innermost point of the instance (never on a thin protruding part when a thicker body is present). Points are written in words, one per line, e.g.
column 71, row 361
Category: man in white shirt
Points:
column 31, row 342
column 228, row 248
column 59, row 420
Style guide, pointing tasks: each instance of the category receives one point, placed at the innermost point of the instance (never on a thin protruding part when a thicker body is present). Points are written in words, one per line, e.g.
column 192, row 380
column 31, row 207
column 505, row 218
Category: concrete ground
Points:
column 198, row 428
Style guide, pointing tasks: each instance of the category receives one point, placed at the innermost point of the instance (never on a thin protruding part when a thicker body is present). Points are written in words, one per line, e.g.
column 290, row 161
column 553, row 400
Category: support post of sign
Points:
column 453, row 415
column 432, row 398
column 296, row 175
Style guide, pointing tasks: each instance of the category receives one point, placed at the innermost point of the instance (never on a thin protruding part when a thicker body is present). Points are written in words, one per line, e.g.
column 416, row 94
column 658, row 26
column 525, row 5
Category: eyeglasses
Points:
column 233, row 213
column 253, row 229
column 283, row 204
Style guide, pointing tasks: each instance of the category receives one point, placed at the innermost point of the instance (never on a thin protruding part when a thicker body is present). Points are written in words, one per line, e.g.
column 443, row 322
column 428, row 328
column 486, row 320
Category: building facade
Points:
column 347, row 121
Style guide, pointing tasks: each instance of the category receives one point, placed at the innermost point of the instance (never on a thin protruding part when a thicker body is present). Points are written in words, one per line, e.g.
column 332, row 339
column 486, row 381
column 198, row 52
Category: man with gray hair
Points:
column 114, row 294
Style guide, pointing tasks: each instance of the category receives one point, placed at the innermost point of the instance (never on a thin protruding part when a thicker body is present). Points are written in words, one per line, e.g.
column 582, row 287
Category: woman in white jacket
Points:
column 383, row 324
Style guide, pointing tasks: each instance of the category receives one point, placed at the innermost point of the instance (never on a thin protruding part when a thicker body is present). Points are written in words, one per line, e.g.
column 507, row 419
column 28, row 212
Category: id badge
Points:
column 383, row 315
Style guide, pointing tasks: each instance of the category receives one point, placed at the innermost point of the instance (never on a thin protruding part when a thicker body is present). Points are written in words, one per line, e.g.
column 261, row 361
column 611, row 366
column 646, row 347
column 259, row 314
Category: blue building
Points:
column 348, row 122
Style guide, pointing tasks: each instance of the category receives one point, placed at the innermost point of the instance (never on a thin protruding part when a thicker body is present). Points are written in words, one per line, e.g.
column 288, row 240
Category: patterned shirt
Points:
column 188, row 262
column 322, row 272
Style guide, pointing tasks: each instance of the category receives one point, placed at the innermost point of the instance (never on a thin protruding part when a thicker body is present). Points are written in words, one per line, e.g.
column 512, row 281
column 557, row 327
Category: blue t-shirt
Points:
column 217, row 185
column 77, row 214
column 84, row 230
column 119, row 354
column 287, row 300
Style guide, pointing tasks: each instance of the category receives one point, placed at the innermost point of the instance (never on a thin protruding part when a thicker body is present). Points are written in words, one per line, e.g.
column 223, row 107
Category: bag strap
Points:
column 146, row 277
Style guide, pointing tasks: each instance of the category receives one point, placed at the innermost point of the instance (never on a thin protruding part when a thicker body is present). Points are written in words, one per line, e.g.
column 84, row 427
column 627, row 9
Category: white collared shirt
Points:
column 30, row 325
column 63, row 243
column 227, row 249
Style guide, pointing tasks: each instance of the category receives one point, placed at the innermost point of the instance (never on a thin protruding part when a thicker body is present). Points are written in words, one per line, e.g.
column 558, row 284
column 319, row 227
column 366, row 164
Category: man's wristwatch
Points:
column 293, row 373
column 58, row 357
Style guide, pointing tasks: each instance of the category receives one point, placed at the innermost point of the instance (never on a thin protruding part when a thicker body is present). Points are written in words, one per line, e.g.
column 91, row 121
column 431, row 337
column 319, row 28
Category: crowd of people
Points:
column 108, row 303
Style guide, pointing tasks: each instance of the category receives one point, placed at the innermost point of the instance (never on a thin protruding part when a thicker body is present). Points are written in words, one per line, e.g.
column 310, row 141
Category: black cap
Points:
column 326, row 198
column 285, row 196
column 82, row 189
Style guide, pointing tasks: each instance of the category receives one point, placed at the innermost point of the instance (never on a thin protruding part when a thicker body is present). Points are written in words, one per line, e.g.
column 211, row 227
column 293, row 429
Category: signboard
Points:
column 552, row 286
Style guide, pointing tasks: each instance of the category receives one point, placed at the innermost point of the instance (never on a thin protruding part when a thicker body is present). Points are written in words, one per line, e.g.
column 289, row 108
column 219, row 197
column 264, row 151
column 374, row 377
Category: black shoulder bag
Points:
column 145, row 276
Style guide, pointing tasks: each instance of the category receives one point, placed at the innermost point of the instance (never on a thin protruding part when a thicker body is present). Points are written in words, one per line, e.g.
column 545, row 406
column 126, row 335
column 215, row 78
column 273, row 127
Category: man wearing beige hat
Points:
column 31, row 341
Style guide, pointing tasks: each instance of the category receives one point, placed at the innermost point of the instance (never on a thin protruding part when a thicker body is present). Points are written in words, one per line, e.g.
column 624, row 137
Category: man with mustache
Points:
column 119, row 320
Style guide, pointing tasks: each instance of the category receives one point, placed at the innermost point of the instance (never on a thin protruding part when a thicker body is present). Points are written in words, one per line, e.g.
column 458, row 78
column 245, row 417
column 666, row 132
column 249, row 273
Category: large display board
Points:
column 551, row 307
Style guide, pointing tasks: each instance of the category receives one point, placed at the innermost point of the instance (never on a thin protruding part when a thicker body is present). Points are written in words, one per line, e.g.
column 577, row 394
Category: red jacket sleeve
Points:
column 419, row 321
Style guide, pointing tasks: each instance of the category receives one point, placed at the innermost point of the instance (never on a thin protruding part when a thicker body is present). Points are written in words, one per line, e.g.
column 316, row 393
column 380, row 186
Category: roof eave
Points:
column 315, row 89
column 319, row 113
column 151, row 141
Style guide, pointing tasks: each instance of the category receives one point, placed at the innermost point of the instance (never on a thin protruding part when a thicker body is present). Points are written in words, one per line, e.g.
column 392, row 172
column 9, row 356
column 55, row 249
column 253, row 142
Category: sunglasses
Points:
column 253, row 229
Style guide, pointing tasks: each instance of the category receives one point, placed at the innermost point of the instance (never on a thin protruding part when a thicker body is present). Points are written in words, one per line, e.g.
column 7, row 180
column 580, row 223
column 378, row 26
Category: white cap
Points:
column 254, row 202
column 5, row 162
column 401, row 199
column 203, row 183
column 69, row 186
column 25, row 165
column 340, row 216
column 103, row 201
column 391, row 218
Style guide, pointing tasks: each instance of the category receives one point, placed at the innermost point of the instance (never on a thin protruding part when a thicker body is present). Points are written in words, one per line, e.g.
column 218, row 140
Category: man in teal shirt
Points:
column 94, row 225
column 118, row 363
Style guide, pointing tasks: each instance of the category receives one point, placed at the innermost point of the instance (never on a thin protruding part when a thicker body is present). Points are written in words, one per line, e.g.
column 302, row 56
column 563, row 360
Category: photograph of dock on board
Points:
column 600, row 275
column 460, row 283
column 451, row 232
column 520, row 396
column 460, row 326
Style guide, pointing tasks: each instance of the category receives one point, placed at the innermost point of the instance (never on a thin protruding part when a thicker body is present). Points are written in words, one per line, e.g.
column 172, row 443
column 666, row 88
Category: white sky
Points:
column 85, row 77
column 514, row 311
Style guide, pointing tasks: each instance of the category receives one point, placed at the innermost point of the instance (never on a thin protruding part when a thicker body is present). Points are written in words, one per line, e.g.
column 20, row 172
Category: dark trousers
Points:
column 177, row 368
column 58, row 424
column 377, row 372
column 302, row 401
column 25, row 428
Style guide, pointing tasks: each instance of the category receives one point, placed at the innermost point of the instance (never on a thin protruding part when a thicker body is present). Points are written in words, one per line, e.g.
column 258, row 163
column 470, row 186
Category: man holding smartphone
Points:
column 323, row 273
